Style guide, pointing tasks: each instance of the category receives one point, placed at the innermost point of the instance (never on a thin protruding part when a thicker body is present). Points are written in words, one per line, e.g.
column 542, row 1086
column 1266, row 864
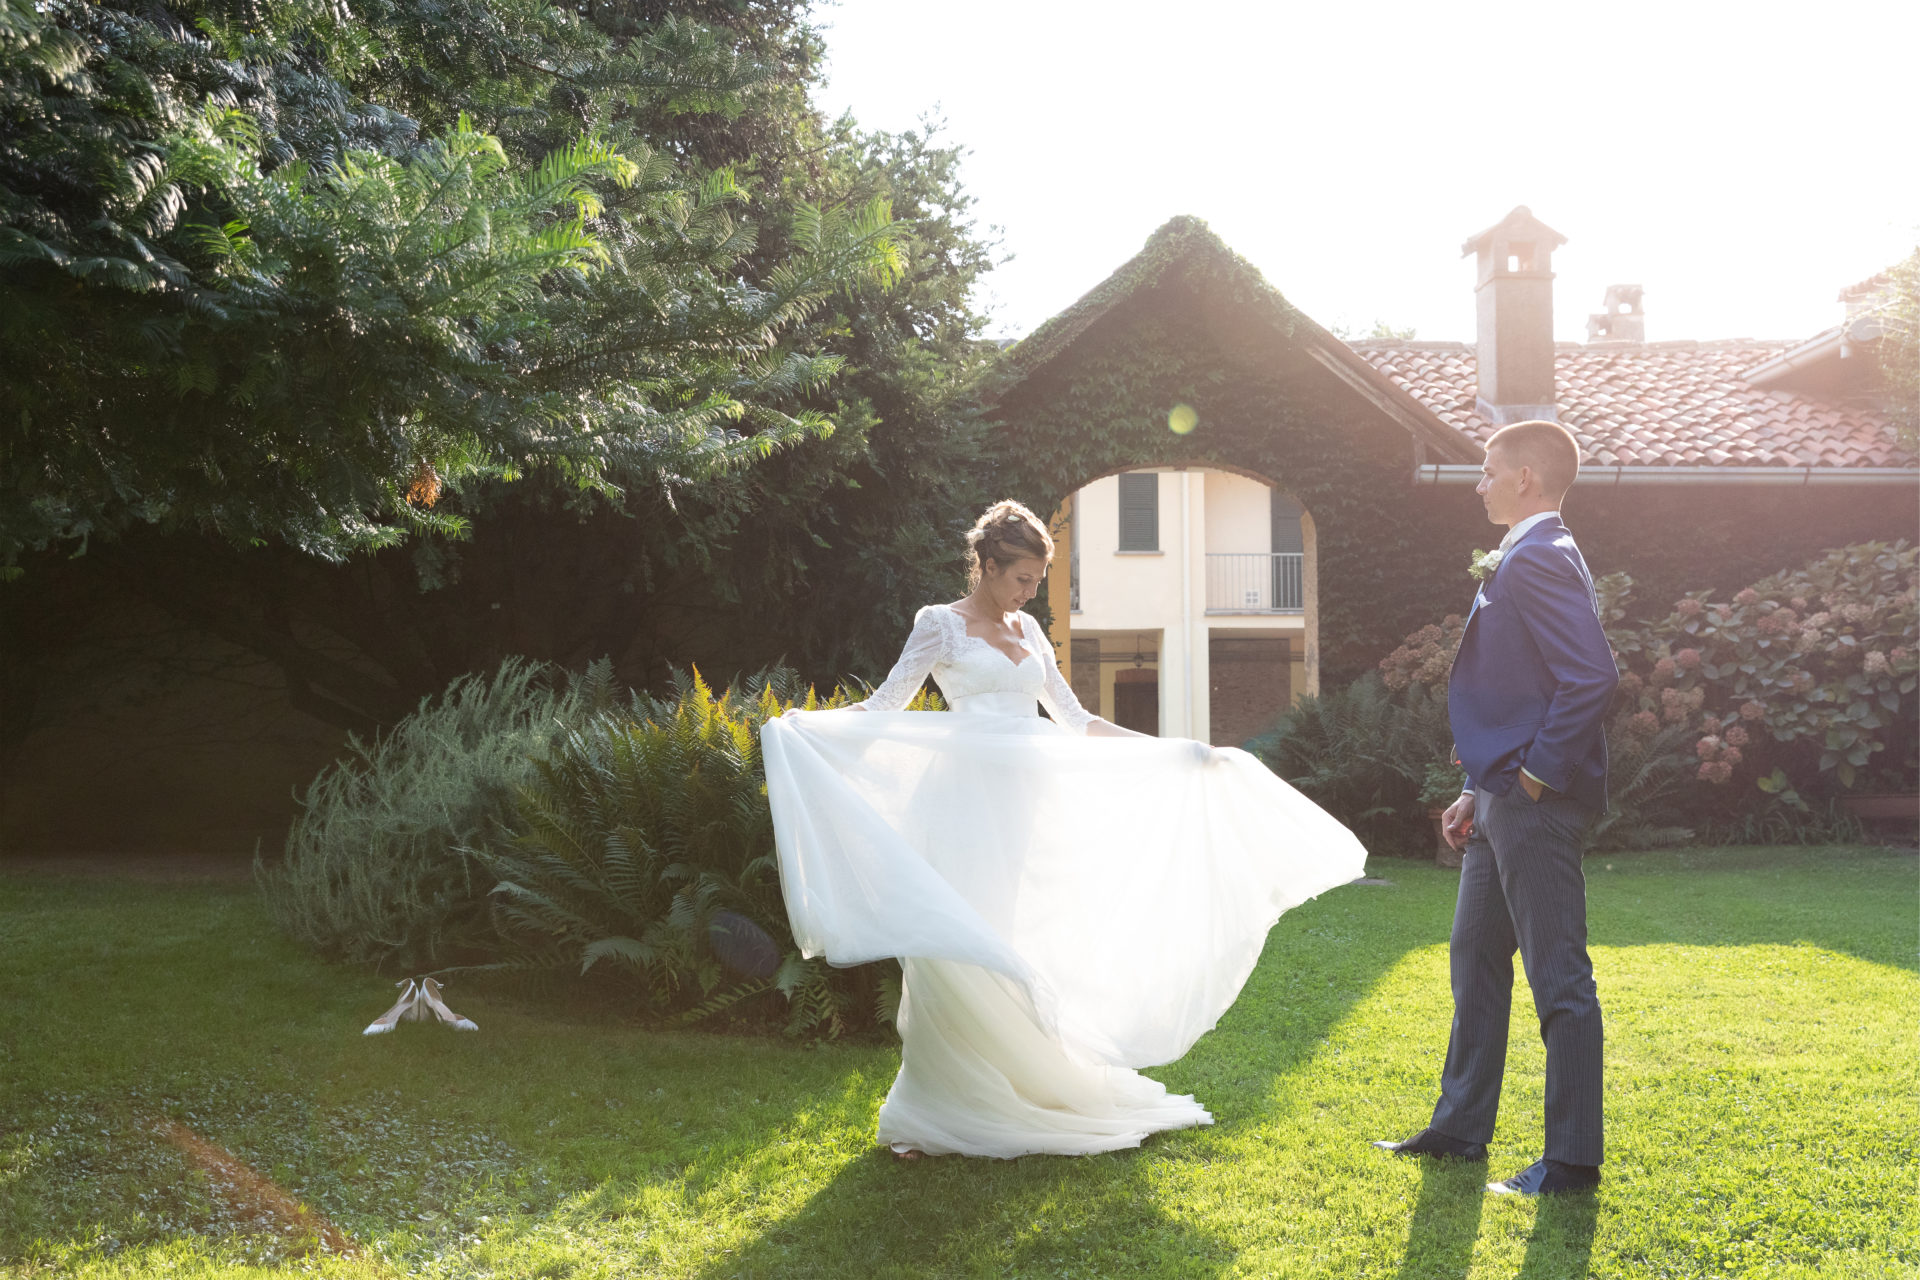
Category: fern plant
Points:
column 375, row 869
column 1362, row 753
column 1649, row 782
column 644, row 843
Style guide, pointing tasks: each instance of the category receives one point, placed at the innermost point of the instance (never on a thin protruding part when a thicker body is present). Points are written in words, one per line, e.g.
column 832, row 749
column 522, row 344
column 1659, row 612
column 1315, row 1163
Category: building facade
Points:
column 1186, row 600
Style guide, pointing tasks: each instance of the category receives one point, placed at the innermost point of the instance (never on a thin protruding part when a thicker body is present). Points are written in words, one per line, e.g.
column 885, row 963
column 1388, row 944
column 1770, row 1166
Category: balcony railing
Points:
column 1255, row 582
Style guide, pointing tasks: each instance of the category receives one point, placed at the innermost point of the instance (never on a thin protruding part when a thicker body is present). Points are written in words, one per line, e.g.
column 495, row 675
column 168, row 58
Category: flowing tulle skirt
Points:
column 1067, row 908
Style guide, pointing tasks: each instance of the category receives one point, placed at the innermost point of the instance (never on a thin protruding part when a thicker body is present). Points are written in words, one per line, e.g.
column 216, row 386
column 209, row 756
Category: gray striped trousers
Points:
column 1521, row 887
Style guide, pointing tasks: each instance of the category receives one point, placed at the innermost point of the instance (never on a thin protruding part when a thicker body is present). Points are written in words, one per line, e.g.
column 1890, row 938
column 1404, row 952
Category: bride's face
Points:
column 1010, row 586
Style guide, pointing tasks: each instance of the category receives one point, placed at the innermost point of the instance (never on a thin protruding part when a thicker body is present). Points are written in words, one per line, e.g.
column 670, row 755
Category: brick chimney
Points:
column 1620, row 318
column 1514, row 298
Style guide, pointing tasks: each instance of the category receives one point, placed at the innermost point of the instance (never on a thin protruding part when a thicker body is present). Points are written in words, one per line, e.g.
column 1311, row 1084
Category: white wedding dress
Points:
column 1066, row 908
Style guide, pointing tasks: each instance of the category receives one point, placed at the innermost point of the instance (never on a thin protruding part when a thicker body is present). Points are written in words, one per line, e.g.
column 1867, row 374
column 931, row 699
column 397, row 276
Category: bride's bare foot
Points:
column 905, row 1153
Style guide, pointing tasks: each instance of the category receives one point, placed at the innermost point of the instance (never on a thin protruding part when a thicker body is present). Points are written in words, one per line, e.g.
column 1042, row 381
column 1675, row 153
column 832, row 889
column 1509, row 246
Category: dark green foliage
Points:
column 1650, row 788
column 1899, row 348
column 1809, row 674
column 645, row 823
column 321, row 324
column 1363, row 754
column 375, row 869
column 696, row 508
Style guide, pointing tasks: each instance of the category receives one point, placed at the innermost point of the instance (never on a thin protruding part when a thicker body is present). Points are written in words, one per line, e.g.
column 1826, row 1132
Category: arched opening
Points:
column 1195, row 581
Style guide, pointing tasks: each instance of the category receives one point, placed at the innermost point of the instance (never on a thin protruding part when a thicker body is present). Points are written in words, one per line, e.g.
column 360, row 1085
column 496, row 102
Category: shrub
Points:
column 1380, row 753
column 1362, row 754
column 1425, row 657
column 643, row 845
column 1807, row 672
column 1811, row 671
column 374, row 870
column 1650, row 785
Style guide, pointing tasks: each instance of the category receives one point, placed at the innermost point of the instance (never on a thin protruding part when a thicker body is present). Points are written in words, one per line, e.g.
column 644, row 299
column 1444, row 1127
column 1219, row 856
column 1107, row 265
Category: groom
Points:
column 1528, row 693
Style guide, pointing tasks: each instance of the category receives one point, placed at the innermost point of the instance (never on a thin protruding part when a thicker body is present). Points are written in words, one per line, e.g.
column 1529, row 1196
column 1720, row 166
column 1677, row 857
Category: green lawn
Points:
column 1763, row 1102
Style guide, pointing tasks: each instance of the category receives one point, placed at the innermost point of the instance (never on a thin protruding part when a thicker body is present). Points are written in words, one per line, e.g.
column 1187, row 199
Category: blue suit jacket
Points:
column 1534, row 673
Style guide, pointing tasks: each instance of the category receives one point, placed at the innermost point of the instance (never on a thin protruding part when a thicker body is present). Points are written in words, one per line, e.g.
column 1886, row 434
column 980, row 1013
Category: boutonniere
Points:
column 1484, row 563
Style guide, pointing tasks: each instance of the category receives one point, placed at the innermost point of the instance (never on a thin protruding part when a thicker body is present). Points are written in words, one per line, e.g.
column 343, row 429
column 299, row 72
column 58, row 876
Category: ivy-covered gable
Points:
column 1187, row 322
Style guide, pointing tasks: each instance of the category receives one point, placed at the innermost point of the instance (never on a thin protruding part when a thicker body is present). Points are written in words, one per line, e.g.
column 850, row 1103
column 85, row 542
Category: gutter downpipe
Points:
column 1592, row 476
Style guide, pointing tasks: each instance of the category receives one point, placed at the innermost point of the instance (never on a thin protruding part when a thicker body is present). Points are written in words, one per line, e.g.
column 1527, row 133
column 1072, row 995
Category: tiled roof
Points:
column 1660, row 404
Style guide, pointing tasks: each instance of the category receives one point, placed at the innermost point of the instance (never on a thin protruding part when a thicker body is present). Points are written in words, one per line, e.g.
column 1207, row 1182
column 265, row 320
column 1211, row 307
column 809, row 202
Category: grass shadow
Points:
column 1446, row 1220
column 1039, row 1215
column 1107, row 1214
column 1560, row 1246
column 1832, row 898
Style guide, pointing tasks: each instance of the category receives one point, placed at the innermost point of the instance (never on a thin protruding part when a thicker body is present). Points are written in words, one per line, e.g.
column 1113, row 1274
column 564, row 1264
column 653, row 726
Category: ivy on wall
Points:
column 1087, row 396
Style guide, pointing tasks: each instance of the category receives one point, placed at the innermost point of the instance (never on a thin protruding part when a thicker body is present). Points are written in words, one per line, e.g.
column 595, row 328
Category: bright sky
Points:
column 1743, row 161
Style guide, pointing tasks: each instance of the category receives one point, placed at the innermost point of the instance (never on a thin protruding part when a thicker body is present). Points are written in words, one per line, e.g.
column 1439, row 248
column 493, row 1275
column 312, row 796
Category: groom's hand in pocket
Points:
column 1457, row 822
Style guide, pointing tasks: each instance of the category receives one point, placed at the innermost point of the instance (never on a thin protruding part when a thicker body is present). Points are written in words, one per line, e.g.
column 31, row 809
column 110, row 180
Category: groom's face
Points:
column 1502, row 486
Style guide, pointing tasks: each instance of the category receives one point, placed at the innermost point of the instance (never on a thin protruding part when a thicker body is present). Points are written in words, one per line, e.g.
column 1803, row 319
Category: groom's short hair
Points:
column 1547, row 447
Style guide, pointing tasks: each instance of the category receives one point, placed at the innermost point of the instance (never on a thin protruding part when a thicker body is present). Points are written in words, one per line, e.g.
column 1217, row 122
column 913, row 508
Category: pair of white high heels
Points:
column 420, row 1001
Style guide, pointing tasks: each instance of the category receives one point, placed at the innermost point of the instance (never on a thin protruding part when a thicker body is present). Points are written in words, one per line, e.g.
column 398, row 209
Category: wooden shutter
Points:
column 1286, row 523
column 1140, row 511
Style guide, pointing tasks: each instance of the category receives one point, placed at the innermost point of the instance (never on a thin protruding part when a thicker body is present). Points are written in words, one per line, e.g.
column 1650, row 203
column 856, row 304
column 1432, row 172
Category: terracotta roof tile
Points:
column 1664, row 404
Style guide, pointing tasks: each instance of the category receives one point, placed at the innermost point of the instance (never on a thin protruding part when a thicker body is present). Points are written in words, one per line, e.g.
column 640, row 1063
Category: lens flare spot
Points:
column 1182, row 420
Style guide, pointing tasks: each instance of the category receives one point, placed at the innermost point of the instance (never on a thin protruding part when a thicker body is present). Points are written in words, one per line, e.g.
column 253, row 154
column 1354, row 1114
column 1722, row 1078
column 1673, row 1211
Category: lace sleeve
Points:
column 1055, row 694
column 925, row 647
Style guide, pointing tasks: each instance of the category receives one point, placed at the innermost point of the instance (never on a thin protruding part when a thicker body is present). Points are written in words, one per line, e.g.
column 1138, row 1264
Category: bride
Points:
column 1065, row 910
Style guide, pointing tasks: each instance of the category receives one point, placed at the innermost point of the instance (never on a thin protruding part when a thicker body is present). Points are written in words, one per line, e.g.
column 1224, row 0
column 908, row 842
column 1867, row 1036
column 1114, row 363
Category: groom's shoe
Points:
column 1548, row 1177
column 1431, row 1142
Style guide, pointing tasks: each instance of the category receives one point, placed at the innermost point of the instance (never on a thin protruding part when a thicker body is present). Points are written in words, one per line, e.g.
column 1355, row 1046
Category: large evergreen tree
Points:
column 319, row 321
column 606, row 480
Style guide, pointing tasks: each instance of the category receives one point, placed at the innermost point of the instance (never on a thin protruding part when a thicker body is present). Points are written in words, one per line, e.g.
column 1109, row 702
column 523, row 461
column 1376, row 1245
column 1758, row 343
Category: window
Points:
column 1287, row 535
column 1140, row 511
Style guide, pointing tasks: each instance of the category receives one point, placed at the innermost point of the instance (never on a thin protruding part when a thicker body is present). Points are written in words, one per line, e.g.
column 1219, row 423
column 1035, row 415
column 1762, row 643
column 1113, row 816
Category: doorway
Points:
column 1136, row 701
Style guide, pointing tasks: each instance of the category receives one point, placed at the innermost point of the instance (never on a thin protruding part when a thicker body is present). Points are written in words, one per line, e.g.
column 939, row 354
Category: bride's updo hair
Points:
column 1004, row 533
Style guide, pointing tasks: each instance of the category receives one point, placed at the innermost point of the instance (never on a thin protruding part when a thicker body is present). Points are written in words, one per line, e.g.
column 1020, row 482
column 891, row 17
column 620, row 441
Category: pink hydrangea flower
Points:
column 1689, row 608
column 1737, row 737
column 1663, row 669
column 1707, row 748
column 1751, row 710
column 1730, row 757
column 1645, row 723
column 1875, row 663
column 1747, row 596
column 1687, row 659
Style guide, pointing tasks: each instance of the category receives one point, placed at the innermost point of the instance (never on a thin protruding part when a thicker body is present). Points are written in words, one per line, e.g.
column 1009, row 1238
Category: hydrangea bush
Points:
column 1804, row 681
column 1809, row 672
